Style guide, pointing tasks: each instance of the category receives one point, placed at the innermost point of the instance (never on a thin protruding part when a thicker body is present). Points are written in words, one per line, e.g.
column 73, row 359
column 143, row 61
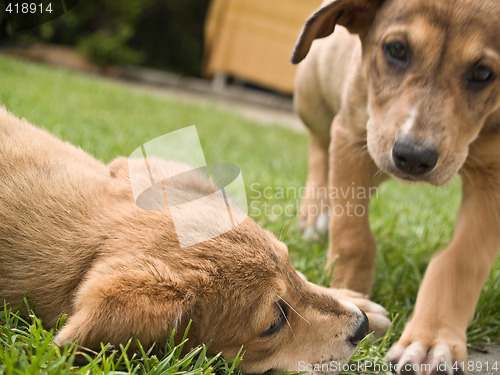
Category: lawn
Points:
column 108, row 119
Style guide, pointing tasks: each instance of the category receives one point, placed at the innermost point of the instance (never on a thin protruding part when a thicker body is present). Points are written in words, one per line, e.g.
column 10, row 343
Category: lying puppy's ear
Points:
column 120, row 179
column 278, row 245
column 124, row 298
column 118, row 168
column 355, row 15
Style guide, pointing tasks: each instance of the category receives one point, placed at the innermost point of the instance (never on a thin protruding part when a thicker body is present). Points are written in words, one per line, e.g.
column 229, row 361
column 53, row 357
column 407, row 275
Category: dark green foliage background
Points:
column 164, row 34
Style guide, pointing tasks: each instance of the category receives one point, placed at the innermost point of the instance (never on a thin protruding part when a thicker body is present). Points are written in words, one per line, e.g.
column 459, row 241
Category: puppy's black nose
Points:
column 361, row 331
column 413, row 158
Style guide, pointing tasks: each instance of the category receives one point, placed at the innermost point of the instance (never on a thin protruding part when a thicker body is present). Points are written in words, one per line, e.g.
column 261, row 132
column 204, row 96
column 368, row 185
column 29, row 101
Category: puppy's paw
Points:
column 67, row 335
column 377, row 315
column 76, row 328
column 427, row 356
column 314, row 218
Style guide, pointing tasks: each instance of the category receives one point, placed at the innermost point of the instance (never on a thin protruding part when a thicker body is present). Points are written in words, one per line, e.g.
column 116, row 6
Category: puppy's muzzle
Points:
column 414, row 159
column 361, row 331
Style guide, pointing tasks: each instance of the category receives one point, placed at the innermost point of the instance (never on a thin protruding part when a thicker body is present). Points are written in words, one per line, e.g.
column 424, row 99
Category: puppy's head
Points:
column 238, row 288
column 433, row 75
column 258, row 300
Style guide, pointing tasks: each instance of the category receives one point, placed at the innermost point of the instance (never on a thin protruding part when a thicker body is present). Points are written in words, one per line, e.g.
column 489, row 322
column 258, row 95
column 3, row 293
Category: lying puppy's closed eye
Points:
column 279, row 320
column 72, row 235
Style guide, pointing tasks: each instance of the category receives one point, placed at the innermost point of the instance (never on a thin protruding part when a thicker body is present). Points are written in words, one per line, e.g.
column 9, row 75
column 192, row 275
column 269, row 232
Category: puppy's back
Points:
column 48, row 194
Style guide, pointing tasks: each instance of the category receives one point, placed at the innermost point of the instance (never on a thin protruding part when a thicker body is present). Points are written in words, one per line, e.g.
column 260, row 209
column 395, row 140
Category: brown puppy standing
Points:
column 72, row 237
column 411, row 89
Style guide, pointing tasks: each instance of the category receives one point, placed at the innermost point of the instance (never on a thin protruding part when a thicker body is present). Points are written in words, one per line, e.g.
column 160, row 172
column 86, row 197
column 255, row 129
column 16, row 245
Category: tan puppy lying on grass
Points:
column 72, row 236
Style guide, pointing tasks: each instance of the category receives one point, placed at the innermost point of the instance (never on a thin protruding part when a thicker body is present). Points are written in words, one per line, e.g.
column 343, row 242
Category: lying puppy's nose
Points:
column 361, row 331
column 413, row 158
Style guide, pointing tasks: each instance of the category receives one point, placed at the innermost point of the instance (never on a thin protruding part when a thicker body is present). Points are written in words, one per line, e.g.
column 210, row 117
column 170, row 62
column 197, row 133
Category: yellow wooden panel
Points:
column 254, row 39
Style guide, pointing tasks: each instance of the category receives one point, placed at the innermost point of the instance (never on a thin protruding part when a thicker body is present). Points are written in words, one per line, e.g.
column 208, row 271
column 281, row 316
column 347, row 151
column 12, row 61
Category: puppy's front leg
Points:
column 436, row 334
column 353, row 180
column 313, row 214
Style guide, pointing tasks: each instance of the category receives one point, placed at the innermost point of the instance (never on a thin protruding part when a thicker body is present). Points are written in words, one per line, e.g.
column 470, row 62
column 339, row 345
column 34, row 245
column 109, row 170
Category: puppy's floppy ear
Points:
column 278, row 245
column 118, row 168
column 355, row 15
column 120, row 179
column 124, row 298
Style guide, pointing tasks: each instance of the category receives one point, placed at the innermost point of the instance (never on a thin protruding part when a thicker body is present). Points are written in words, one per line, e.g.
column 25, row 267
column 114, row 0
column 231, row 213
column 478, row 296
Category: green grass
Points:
column 27, row 348
column 108, row 120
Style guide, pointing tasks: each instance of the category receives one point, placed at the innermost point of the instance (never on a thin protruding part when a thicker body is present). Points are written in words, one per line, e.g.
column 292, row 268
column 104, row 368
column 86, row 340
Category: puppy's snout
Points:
column 361, row 331
column 413, row 158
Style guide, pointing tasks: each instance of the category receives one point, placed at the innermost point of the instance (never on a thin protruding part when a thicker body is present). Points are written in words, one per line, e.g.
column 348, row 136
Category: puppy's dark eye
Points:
column 480, row 76
column 279, row 319
column 397, row 53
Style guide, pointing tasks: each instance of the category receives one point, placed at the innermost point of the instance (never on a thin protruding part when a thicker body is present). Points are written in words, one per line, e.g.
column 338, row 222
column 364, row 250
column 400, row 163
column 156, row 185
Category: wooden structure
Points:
column 253, row 39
